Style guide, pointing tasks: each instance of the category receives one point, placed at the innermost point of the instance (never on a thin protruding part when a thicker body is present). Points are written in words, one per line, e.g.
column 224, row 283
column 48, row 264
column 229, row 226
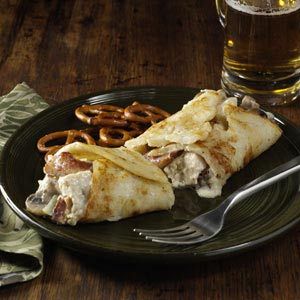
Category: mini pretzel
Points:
column 69, row 135
column 92, row 131
column 135, row 129
column 104, row 115
column 113, row 137
column 144, row 113
column 116, row 137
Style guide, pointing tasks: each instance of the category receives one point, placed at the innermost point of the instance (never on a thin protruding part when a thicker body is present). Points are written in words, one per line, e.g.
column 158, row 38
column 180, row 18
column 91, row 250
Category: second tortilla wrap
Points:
column 206, row 142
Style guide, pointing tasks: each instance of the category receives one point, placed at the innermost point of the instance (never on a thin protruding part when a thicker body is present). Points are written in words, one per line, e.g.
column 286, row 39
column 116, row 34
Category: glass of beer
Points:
column 261, row 49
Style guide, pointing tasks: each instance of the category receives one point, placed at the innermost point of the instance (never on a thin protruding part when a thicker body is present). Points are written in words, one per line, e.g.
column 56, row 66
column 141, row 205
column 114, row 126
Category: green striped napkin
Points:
column 21, row 256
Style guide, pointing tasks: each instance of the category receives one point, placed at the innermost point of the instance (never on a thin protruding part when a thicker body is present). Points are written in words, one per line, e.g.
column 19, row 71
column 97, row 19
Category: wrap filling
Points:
column 63, row 192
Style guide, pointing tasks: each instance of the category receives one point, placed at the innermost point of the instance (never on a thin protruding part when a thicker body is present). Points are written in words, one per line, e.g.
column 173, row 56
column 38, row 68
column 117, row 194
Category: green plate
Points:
column 252, row 222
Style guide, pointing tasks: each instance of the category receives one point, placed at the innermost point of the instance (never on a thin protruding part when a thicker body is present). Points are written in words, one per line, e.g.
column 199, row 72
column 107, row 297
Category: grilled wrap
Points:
column 86, row 183
column 207, row 141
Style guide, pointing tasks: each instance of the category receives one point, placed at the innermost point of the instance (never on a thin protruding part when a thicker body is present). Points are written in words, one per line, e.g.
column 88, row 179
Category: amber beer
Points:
column 262, row 49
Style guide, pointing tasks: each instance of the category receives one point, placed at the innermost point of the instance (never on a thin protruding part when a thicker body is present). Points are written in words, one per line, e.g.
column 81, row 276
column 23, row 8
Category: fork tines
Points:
column 180, row 235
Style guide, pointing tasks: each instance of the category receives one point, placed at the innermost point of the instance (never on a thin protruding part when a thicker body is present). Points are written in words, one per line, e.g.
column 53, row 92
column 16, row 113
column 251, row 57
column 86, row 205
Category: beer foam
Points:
column 267, row 11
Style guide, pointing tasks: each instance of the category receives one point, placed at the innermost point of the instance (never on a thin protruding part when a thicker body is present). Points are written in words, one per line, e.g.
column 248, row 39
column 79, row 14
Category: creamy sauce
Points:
column 77, row 187
column 185, row 169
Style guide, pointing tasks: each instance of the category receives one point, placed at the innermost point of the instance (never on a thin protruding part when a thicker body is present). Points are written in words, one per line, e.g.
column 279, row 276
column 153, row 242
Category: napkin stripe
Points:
column 15, row 237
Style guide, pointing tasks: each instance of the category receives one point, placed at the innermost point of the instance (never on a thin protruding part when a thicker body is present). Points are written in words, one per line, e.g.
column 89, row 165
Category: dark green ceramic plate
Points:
column 251, row 223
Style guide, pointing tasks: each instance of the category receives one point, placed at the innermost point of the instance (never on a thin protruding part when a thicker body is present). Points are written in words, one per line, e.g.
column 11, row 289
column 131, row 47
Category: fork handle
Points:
column 262, row 182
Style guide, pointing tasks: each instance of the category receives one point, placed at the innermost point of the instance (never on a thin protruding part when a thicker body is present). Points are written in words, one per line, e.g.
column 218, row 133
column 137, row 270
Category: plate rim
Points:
column 70, row 242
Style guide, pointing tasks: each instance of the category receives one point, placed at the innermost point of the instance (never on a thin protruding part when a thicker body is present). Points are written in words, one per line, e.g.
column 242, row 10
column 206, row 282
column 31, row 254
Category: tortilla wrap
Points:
column 207, row 141
column 86, row 183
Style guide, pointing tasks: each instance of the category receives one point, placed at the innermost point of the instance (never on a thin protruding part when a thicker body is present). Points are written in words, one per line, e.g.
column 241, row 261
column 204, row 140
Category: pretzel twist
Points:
column 112, row 126
column 69, row 136
column 103, row 115
column 116, row 137
column 144, row 113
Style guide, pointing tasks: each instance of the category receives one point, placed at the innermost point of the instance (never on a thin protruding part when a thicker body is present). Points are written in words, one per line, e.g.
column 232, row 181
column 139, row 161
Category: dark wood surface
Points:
column 67, row 48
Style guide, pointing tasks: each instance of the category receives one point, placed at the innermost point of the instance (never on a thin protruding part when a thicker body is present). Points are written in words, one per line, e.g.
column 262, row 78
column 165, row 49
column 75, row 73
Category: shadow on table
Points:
column 145, row 272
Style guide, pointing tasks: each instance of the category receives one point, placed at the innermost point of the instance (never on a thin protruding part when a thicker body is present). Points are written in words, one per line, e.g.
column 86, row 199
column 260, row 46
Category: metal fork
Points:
column 209, row 224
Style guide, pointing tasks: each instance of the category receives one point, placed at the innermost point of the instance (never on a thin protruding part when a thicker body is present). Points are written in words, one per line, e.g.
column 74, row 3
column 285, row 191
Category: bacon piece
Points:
column 165, row 159
column 64, row 164
column 61, row 209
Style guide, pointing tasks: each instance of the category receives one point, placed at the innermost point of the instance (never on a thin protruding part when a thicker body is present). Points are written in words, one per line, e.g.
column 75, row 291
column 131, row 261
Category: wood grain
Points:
column 67, row 48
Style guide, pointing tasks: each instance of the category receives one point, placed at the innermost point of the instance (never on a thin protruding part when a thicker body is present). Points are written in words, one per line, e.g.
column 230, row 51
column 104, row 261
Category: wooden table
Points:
column 67, row 48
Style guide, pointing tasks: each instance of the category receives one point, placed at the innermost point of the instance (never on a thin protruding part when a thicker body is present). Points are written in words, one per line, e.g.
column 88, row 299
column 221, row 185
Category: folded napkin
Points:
column 21, row 256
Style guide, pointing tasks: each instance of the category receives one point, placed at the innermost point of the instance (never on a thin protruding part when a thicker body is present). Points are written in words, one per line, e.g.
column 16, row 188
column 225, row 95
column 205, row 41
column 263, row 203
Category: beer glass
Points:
column 261, row 49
